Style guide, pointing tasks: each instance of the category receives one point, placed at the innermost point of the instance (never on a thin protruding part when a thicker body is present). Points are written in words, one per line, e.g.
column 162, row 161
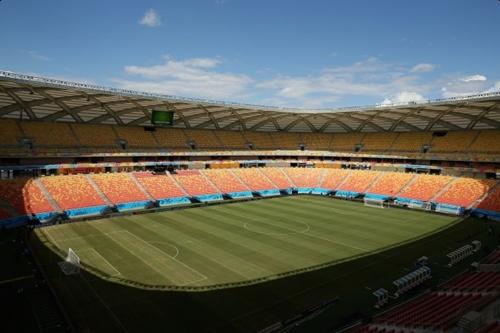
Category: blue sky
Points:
column 312, row 54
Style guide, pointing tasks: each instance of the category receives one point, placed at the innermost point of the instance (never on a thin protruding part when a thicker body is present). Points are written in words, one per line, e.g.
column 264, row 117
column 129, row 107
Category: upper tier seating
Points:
column 283, row 140
column 465, row 191
column 277, row 176
column 302, row 178
column 345, row 142
column 172, row 138
column 390, row 183
column 73, row 191
column 136, row 136
column 194, row 183
column 9, row 132
column 486, row 142
column 317, row 141
column 333, row 178
column 378, row 142
column 232, row 139
column 425, row 187
column 453, row 141
column 492, row 201
column 254, row 179
column 225, row 180
column 475, row 282
column 95, row 135
column 159, row 186
column 359, row 181
column 260, row 140
column 24, row 196
column 119, row 187
column 204, row 138
column 45, row 133
column 412, row 142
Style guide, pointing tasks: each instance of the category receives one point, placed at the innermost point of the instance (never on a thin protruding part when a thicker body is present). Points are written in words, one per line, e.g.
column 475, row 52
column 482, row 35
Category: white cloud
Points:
column 476, row 77
column 494, row 88
column 196, row 77
column 422, row 68
column 403, row 98
column 37, row 56
column 151, row 18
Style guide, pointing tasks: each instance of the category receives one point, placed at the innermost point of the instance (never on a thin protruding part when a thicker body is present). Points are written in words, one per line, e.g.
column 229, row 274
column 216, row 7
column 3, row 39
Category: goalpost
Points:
column 377, row 203
column 71, row 265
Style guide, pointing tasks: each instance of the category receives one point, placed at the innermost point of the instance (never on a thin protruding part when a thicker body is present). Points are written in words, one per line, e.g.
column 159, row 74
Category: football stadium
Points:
column 125, row 210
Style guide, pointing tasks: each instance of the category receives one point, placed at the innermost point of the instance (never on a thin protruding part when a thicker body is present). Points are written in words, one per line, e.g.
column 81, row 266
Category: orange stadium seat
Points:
column 159, row 186
column 232, row 139
column 412, row 142
column 204, row 138
column 119, row 187
column 425, row 187
column 390, row 183
column 492, row 201
column 95, row 135
column 305, row 177
column 278, row 177
column 72, row 191
column 333, row 178
column 25, row 196
column 9, row 132
column 254, row 179
column 345, row 142
column 378, row 141
column 136, row 136
column 173, row 138
column 317, row 141
column 359, row 181
column 49, row 134
column 486, row 142
column 194, row 183
column 284, row 140
column 225, row 180
column 465, row 191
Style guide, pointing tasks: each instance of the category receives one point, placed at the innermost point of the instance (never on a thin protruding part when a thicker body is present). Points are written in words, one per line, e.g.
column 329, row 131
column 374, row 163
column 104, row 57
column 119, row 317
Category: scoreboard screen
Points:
column 162, row 118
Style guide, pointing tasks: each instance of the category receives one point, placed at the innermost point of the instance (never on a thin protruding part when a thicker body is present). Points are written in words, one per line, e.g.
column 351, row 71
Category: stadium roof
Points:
column 42, row 99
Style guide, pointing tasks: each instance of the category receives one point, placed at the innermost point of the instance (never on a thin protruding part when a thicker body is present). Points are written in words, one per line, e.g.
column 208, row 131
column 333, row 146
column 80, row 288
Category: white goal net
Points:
column 375, row 203
column 71, row 265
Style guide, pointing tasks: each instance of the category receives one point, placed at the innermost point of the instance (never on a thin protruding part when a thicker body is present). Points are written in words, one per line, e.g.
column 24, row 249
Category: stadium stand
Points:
column 194, row 182
column 333, row 178
column 378, row 142
column 204, row 138
column 24, row 196
column 254, row 179
column 95, row 135
column 492, row 201
column 346, row 142
column 72, row 191
column 159, row 186
column 316, row 141
column 305, row 177
column 286, row 140
column 412, row 141
column 493, row 327
column 486, row 142
column 465, row 191
column 232, row 139
column 9, row 132
column 260, row 140
column 425, row 187
column 358, row 181
column 225, row 180
column 390, row 183
column 49, row 134
column 136, row 136
column 4, row 214
column 172, row 138
column 475, row 282
column 278, row 177
column 119, row 188
column 455, row 141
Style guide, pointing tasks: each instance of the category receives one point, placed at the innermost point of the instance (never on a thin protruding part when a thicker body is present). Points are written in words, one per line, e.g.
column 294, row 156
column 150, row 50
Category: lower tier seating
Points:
column 475, row 282
column 333, row 178
column 119, row 187
column 225, row 180
column 390, row 183
column 492, row 201
column 254, row 179
column 465, row 191
column 72, row 191
column 159, row 186
column 24, row 196
column 194, row 183
column 425, row 187
column 303, row 177
column 278, row 177
column 359, row 181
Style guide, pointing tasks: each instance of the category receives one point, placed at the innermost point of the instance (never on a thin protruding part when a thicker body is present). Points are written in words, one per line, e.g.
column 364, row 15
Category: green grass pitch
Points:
column 239, row 267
